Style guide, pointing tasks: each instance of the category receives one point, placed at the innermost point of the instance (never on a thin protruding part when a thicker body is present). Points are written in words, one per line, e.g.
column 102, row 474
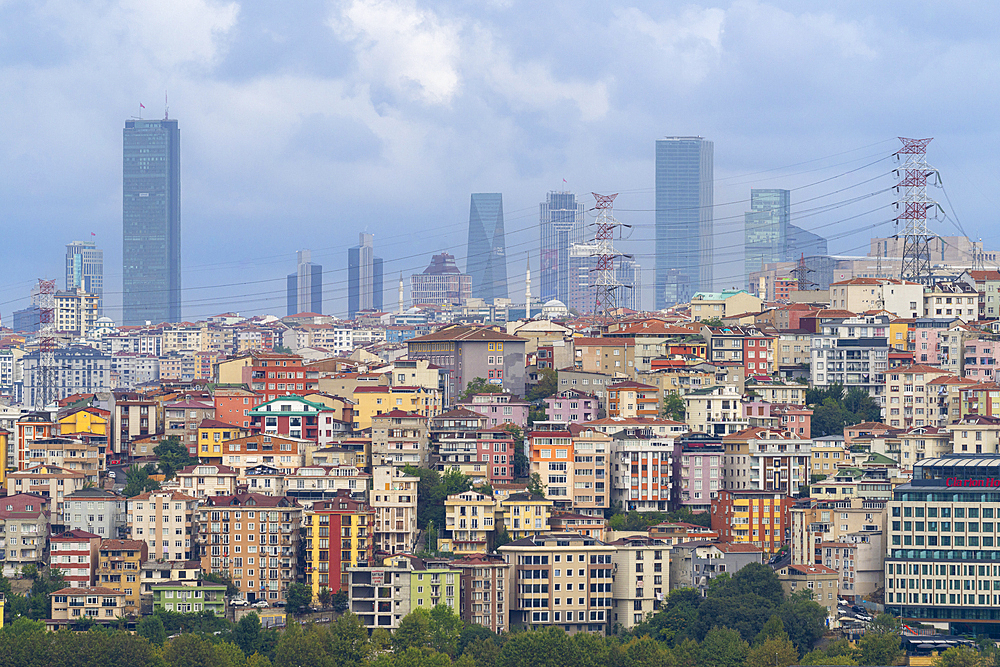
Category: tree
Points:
column 773, row 629
column 880, row 644
column 191, row 650
column 151, row 627
column 673, row 407
column 339, row 601
column 299, row 598
column 348, row 645
column 548, row 384
column 803, row 619
column 445, row 629
column 172, row 455
column 432, row 536
column 414, row 631
column 137, row 480
column 297, row 648
column 502, row 537
column 324, row 596
column 479, row 385
column 232, row 590
column 963, row 656
column 723, row 647
column 535, row 486
column 773, row 652
column 712, row 322
column 246, row 634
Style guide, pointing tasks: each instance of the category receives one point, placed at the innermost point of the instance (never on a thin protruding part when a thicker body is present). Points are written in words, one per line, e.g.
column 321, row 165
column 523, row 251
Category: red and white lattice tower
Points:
column 605, row 279
column 46, row 374
column 913, row 204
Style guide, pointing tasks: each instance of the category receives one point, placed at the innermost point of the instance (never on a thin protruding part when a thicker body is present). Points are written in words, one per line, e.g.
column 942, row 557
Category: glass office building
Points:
column 684, row 200
column 486, row 260
column 151, row 222
column 769, row 236
column 85, row 270
column 561, row 224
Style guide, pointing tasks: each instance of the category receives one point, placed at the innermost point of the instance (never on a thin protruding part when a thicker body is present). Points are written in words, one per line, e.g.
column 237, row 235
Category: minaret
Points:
column 527, row 289
column 400, row 292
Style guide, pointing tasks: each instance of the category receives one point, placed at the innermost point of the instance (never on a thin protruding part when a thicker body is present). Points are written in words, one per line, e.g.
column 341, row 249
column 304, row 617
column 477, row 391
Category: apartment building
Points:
column 207, row 480
column 591, row 525
column 498, row 409
column 470, row 520
column 590, row 470
column 609, row 356
column 268, row 374
column 75, row 554
column 374, row 400
column 767, row 459
column 642, row 578
column 394, row 499
column 233, row 405
column 133, row 418
column 254, row 540
column 551, row 455
column 818, row 521
column 928, row 442
column 910, row 401
column 400, row 438
column 858, row 562
column 160, row 572
column 118, row 565
column 84, row 455
column 483, row 591
column 100, row 604
column 523, row 514
column 700, row 470
column 633, row 399
column 276, row 451
column 695, row 564
column 24, row 529
column 190, row 597
column 324, row 482
column 50, row 482
column 642, row 474
column 97, row 511
column 182, row 418
column 760, row 518
column 433, row 583
column 853, row 352
column 380, row 596
column 974, row 434
column 560, row 580
column 716, row 410
column 166, row 522
column 572, row 406
column 338, row 536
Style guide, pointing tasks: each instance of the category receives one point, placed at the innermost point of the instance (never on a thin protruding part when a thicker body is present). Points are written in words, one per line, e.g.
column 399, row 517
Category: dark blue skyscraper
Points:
column 561, row 224
column 85, row 269
column 305, row 286
column 486, row 261
column 151, row 222
column 684, row 198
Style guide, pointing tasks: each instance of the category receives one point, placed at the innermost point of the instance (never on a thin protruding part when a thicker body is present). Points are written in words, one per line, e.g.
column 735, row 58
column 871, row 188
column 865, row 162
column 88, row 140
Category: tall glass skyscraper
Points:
column 561, row 225
column 151, row 222
column 85, row 270
column 364, row 277
column 305, row 286
column 765, row 228
column 769, row 235
column 684, row 234
column 486, row 260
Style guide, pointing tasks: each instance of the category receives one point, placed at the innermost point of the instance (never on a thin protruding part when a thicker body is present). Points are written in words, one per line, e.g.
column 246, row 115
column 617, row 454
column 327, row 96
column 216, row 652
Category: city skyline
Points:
column 486, row 255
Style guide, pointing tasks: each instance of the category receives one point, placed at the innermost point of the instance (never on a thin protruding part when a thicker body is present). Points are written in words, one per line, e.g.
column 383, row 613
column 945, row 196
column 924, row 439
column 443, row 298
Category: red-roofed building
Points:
column 181, row 419
column 909, row 399
column 822, row 581
column 468, row 352
column 118, row 568
column 233, row 405
column 339, row 535
column 484, row 601
column 268, row 374
column 400, row 438
column 605, row 355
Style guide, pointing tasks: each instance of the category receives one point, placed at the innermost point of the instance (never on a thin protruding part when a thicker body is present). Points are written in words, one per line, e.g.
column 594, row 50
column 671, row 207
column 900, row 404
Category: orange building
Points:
column 760, row 518
column 633, row 399
column 233, row 405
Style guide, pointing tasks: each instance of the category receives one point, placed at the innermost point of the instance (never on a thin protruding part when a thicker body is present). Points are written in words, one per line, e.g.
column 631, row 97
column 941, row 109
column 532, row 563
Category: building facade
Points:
column 364, row 277
column 684, row 214
column 441, row 283
column 561, row 223
column 151, row 221
column 486, row 261
column 305, row 286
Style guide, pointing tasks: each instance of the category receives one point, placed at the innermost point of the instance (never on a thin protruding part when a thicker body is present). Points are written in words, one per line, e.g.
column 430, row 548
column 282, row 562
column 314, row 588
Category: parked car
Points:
column 858, row 609
column 238, row 602
column 111, row 474
column 260, row 603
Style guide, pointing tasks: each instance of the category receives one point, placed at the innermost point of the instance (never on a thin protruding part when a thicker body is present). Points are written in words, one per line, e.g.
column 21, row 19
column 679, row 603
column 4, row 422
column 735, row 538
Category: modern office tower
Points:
column 582, row 262
column 629, row 276
column 305, row 286
column 364, row 277
column 486, row 260
column 85, row 270
column 151, row 222
column 684, row 234
column 765, row 228
column 441, row 283
column 769, row 235
column 561, row 225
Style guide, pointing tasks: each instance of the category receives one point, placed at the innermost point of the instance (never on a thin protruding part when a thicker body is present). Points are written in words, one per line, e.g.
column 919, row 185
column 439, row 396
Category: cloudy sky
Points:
column 305, row 122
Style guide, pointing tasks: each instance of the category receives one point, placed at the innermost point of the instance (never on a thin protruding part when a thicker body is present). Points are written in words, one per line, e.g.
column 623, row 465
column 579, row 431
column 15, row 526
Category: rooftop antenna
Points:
column 166, row 107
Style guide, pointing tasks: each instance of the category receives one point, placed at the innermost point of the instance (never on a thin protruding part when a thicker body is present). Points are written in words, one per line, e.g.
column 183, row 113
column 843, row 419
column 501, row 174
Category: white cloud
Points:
column 175, row 32
column 409, row 49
